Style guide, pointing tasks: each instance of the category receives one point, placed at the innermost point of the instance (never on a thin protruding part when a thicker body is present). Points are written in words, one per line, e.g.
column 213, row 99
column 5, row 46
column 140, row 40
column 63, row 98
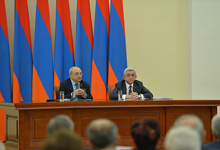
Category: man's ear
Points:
column 124, row 77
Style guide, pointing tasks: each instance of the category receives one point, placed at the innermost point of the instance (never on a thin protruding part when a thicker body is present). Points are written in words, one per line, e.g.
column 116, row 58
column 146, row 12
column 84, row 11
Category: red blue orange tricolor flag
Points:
column 43, row 57
column 84, row 40
column 117, row 45
column 22, row 65
column 5, row 77
column 63, row 53
column 100, row 50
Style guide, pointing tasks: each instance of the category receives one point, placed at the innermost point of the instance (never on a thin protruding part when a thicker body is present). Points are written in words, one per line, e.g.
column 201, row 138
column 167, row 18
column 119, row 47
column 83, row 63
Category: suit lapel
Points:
column 135, row 87
column 123, row 87
column 70, row 85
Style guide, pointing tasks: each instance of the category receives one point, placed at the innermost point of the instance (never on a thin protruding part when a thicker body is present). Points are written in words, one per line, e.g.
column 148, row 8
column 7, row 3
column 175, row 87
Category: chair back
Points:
column 110, row 89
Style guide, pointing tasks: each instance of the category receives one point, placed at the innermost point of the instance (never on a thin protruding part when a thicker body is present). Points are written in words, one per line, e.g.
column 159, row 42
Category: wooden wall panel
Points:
column 122, row 117
column 12, row 126
column 36, row 125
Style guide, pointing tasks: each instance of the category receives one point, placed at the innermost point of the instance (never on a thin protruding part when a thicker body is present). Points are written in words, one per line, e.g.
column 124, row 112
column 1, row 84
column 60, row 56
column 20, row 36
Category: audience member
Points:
column 131, row 88
column 192, row 121
column 63, row 139
column 216, row 131
column 182, row 138
column 102, row 134
column 195, row 123
column 145, row 134
column 60, row 121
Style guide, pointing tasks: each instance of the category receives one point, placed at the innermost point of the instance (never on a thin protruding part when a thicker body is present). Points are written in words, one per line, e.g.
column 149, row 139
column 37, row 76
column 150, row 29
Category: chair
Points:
column 110, row 89
column 56, row 89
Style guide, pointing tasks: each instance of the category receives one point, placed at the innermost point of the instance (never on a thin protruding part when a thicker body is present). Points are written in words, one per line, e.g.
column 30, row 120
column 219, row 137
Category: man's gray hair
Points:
column 182, row 138
column 129, row 69
column 102, row 133
column 216, row 125
column 71, row 70
column 58, row 122
column 193, row 121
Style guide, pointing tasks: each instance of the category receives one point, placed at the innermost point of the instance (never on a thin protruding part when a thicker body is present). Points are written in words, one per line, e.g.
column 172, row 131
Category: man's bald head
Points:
column 75, row 74
column 192, row 121
column 102, row 133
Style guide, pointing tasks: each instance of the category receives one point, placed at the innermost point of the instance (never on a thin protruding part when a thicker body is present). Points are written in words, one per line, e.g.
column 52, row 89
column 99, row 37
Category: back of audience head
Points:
column 63, row 139
column 182, row 138
column 192, row 121
column 216, row 126
column 102, row 133
column 145, row 134
column 60, row 121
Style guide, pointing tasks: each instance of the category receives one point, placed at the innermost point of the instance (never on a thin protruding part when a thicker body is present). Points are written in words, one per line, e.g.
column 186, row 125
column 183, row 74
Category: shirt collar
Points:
column 73, row 83
column 127, row 85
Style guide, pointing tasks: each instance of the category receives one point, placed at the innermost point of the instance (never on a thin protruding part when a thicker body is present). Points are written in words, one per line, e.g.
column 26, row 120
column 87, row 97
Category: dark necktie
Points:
column 130, row 89
column 77, row 85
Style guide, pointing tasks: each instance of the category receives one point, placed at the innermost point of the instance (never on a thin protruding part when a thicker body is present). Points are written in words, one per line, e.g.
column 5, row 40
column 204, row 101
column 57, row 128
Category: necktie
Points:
column 130, row 89
column 77, row 85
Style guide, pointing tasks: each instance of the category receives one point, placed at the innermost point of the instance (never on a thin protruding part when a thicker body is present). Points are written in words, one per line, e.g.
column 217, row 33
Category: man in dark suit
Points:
column 131, row 88
column 74, row 87
column 216, row 131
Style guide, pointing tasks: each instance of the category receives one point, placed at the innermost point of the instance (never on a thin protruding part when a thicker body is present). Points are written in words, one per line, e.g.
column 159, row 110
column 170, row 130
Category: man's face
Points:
column 76, row 74
column 129, row 77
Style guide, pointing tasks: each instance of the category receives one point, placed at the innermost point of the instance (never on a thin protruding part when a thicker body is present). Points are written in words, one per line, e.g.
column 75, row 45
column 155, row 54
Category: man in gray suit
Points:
column 131, row 88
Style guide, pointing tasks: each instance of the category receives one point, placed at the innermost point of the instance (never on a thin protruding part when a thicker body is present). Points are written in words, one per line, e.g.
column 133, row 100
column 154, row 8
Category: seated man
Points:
column 131, row 88
column 216, row 131
column 145, row 134
column 74, row 87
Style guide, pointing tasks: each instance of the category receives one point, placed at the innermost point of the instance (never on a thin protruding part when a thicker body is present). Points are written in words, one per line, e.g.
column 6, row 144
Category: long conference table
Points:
column 26, row 123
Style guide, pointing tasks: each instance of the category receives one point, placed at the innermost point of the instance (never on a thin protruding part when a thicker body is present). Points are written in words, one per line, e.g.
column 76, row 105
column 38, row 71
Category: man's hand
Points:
column 133, row 95
column 79, row 92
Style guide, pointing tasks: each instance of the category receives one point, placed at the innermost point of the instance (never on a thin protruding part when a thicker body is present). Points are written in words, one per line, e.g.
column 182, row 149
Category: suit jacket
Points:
column 67, row 87
column 137, row 87
column 212, row 146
